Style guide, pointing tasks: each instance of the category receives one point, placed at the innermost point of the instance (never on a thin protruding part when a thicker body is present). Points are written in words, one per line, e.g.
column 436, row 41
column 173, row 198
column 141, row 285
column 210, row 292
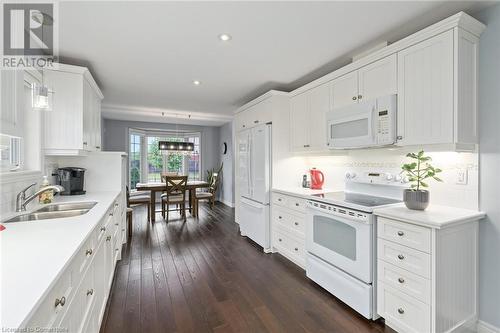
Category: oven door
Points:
column 344, row 243
column 352, row 126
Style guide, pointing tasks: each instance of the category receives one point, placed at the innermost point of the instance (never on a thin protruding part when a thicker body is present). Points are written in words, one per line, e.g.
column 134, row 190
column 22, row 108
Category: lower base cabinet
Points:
column 77, row 301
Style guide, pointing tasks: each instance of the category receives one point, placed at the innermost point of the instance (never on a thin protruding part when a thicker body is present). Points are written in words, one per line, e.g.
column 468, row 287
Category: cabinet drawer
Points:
column 414, row 236
column 84, row 255
column 404, row 281
column 404, row 257
column 280, row 199
column 290, row 247
column 48, row 313
column 103, row 226
column 294, row 223
column 402, row 312
column 297, row 204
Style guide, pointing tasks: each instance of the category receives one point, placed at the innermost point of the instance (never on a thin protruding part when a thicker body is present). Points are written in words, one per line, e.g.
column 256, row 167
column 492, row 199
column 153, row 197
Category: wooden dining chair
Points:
column 209, row 195
column 175, row 194
column 142, row 199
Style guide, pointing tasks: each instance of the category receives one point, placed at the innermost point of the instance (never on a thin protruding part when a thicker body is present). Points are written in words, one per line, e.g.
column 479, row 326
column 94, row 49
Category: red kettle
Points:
column 317, row 179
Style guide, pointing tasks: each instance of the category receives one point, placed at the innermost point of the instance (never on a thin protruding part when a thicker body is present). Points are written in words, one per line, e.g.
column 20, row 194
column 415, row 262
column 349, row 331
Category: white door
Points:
column 425, row 92
column 243, row 163
column 319, row 105
column 260, row 163
column 344, row 90
column 299, row 122
column 378, row 79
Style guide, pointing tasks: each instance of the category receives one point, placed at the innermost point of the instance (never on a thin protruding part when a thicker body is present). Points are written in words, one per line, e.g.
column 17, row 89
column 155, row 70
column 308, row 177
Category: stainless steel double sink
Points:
column 55, row 211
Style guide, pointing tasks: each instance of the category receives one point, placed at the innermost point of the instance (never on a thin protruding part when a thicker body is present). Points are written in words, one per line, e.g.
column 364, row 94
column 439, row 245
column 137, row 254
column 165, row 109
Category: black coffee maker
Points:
column 71, row 179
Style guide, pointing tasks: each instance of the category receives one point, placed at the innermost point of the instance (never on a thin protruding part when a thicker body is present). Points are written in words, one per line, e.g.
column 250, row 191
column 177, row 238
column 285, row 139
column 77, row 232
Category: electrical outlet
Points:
column 462, row 176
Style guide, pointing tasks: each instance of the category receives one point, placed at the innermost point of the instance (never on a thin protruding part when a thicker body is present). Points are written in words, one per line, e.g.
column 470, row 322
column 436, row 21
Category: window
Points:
column 147, row 162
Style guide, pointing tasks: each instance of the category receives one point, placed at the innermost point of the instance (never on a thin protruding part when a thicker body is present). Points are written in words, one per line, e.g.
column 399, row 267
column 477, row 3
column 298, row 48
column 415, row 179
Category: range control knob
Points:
column 397, row 178
column 404, row 180
column 350, row 175
column 389, row 176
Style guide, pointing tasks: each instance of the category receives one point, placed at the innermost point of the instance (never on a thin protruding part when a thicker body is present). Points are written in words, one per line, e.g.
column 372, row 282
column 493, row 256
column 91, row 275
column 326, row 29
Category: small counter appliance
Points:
column 72, row 179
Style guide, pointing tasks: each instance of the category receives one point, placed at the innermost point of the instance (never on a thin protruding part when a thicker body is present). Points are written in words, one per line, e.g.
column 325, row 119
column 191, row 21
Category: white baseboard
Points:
column 227, row 203
column 484, row 327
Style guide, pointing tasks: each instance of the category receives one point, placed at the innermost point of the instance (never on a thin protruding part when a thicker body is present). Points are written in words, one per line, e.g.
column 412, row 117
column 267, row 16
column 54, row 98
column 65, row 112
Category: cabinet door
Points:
column 425, row 92
column 99, row 279
column 344, row 90
column 88, row 117
column 319, row 105
column 299, row 122
column 378, row 78
column 97, row 122
column 11, row 102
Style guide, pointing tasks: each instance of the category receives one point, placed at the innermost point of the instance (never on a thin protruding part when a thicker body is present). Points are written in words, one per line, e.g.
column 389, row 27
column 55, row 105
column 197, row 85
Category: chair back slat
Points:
column 176, row 185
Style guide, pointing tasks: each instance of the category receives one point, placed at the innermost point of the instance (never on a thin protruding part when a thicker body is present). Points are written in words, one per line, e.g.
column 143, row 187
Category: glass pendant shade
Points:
column 41, row 97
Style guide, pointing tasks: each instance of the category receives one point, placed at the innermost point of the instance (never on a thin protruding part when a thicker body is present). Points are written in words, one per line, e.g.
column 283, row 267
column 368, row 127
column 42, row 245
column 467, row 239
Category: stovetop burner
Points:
column 357, row 199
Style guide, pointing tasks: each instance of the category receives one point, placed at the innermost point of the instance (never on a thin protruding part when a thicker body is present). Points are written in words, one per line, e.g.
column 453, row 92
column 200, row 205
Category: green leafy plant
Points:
column 420, row 170
column 212, row 172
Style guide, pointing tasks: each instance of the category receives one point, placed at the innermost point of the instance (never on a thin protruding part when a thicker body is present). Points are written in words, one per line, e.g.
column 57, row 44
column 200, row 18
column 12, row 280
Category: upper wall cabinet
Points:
column 73, row 127
column 257, row 113
column 437, row 91
column 11, row 95
column 308, row 119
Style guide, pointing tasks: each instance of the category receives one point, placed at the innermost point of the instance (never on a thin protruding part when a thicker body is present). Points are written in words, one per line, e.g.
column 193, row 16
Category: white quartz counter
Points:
column 301, row 192
column 434, row 216
column 33, row 255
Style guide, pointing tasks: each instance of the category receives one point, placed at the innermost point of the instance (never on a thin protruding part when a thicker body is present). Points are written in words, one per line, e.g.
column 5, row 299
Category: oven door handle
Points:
column 340, row 217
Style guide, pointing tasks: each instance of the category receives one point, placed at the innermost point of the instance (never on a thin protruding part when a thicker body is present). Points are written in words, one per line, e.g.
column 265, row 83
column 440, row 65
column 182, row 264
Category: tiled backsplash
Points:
column 384, row 160
column 9, row 192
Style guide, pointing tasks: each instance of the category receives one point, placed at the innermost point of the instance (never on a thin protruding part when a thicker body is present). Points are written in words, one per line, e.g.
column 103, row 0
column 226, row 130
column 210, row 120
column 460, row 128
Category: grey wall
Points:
column 489, row 166
column 227, row 186
column 116, row 138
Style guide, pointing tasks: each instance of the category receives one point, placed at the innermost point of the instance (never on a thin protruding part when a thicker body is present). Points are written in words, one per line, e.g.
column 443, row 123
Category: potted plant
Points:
column 418, row 171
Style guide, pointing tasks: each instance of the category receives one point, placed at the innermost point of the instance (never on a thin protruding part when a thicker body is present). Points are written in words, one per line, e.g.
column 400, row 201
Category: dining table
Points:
column 154, row 187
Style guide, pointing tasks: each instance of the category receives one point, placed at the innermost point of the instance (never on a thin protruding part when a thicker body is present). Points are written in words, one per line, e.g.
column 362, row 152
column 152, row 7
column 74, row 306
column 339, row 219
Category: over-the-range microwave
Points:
column 369, row 123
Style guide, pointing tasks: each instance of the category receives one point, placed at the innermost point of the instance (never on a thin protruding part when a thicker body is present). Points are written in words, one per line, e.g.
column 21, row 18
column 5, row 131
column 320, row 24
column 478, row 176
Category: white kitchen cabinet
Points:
column 73, row 126
column 11, row 98
column 344, row 90
column 425, row 103
column 308, row 119
column 77, row 300
column 378, row 79
column 253, row 115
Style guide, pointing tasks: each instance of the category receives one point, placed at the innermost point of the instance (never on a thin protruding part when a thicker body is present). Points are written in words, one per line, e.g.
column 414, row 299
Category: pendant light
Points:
column 41, row 96
column 179, row 147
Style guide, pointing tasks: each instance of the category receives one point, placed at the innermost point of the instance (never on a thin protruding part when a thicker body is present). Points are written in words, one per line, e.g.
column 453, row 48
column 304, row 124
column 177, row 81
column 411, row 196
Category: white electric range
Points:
column 340, row 237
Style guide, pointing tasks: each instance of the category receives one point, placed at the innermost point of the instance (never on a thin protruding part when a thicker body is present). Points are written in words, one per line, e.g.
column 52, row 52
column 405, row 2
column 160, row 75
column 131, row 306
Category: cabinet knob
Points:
column 116, row 204
column 108, row 238
column 88, row 252
column 354, row 98
column 103, row 228
column 255, row 121
column 244, row 126
column 279, row 199
column 280, row 239
column 116, row 224
column 360, row 96
column 400, row 233
column 296, row 249
column 297, row 204
column 401, row 280
column 84, row 143
column 60, row 301
column 90, row 292
column 296, row 223
column 280, row 217
column 399, row 137
column 98, row 147
column 401, row 257
column 401, row 310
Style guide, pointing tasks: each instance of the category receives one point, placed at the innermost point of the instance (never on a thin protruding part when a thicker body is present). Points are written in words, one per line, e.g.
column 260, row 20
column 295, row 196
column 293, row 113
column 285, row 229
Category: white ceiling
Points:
column 145, row 55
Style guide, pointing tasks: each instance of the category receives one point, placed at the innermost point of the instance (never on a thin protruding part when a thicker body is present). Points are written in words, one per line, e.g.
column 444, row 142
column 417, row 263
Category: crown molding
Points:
column 261, row 98
column 147, row 114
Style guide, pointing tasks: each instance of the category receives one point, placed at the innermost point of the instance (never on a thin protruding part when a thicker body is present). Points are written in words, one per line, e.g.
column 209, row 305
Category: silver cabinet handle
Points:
column 103, row 228
column 116, row 224
column 255, row 121
column 306, row 146
column 401, row 280
column 280, row 217
column 296, row 249
column 297, row 204
column 354, row 98
column 98, row 147
column 116, row 204
column 296, row 223
column 88, row 252
column 360, row 96
column 108, row 238
column 280, row 239
column 401, row 257
column 90, row 292
column 399, row 137
column 84, row 143
column 60, row 301
column 400, row 233
column 401, row 310
column 279, row 199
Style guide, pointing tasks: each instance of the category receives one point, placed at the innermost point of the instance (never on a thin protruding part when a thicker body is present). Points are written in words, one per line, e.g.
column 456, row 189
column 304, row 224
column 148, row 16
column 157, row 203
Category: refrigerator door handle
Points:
column 250, row 159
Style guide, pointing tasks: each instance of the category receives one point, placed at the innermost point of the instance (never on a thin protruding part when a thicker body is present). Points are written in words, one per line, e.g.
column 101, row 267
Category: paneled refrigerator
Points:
column 254, row 181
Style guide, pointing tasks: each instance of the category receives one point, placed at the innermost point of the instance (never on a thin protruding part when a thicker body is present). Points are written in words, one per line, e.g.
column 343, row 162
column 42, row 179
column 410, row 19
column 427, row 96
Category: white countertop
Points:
column 301, row 191
column 434, row 216
column 33, row 255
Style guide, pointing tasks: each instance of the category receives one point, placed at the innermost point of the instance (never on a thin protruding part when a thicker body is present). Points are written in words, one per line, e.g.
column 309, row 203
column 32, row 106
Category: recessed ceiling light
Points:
column 225, row 37
column 196, row 82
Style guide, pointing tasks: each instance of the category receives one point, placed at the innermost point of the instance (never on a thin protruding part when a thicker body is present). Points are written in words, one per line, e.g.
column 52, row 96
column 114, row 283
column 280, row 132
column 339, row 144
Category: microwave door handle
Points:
column 374, row 123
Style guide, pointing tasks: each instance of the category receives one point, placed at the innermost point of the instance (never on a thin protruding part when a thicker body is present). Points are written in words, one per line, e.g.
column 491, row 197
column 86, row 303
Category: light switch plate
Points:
column 462, row 176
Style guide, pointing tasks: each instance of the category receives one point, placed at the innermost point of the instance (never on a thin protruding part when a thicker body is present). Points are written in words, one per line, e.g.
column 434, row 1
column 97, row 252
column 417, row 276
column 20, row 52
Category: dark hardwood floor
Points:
column 202, row 276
